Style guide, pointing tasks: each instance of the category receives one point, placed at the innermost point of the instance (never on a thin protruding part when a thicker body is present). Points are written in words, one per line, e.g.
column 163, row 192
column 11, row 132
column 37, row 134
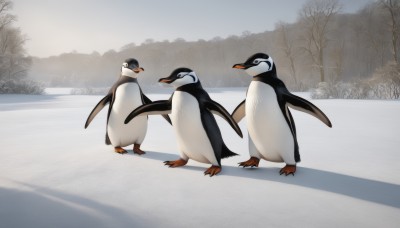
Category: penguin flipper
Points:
column 303, row 105
column 218, row 109
column 162, row 107
column 292, row 126
column 102, row 103
column 147, row 100
column 239, row 112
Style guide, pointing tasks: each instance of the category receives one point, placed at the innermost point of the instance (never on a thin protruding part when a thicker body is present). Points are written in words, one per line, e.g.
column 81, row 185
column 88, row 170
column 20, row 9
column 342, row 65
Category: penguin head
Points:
column 180, row 77
column 257, row 64
column 130, row 67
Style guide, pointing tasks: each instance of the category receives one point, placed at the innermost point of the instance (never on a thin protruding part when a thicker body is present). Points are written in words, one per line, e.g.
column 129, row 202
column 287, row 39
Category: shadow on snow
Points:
column 43, row 207
column 356, row 187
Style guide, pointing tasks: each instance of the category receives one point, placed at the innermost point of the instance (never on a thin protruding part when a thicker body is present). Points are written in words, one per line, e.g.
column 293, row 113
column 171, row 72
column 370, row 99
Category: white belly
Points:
column 192, row 139
column 127, row 98
column 267, row 125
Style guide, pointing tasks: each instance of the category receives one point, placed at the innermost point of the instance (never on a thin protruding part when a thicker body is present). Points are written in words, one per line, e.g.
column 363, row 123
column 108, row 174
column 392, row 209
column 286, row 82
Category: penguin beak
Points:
column 138, row 70
column 165, row 80
column 239, row 66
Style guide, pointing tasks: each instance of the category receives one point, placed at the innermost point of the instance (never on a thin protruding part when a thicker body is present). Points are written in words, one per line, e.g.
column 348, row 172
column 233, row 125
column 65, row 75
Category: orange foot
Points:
column 120, row 150
column 213, row 170
column 176, row 163
column 288, row 169
column 137, row 150
column 252, row 162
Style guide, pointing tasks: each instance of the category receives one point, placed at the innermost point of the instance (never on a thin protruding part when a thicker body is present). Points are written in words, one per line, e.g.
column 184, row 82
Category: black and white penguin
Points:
column 124, row 96
column 196, row 129
column 272, row 131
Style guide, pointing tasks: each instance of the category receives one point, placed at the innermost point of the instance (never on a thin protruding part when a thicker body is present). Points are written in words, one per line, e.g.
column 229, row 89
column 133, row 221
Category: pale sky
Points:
column 58, row 26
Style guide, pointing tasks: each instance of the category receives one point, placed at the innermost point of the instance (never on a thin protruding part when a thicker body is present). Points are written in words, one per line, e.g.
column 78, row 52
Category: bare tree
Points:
column 287, row 46
column 372, row 30
column 13, row 62
column 315, row 16
column 5, row 18
column 337, row 56
column 386, row 81
column 393, row 8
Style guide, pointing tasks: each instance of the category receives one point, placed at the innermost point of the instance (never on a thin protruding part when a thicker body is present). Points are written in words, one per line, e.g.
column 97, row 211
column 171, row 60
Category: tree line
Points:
column 323, row 45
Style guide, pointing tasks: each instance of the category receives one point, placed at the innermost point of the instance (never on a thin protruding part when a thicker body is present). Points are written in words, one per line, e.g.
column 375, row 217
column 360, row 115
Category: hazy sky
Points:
column 57, row 26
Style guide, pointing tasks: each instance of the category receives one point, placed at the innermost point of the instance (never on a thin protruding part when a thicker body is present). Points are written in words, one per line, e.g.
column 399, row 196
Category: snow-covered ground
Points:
column 54, row 173
column 58, row 91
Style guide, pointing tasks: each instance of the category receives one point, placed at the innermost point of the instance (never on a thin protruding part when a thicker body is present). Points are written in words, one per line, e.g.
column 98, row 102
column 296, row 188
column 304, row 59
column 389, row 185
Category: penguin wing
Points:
column 292, row 125
column 303, row 105
column 102, row 103
column 162, row 107
column 214, row 135
column 147, row 100
column 218, row 109
column 239, row 112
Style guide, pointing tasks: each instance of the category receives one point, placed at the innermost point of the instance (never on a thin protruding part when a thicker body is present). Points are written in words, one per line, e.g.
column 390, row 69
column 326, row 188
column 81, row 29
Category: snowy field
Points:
column 54, row 173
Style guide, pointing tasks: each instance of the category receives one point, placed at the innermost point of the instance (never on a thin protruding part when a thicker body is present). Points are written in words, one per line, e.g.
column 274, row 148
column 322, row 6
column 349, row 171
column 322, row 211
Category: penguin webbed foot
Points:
column 287, row 170
column 252, row 162
column 176, row 163
column 120, row 150
column 137, row 150
column 213, row 170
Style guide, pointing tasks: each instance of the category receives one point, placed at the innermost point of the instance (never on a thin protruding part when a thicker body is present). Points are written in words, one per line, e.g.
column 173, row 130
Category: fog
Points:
column 61, row 26
column 322, row 46
column 354, row 45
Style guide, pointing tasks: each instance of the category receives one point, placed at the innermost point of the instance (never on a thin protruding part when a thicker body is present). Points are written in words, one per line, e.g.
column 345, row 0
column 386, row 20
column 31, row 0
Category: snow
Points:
column 58, row 91
column 54, row 173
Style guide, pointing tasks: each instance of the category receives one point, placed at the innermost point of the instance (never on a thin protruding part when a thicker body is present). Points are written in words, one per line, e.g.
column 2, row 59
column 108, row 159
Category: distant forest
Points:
column 323, row 45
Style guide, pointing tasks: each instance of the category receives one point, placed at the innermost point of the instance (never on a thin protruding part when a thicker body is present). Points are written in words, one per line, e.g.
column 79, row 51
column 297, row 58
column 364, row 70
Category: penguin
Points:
column 198, row 135
column 124, row 96
column 271, row 127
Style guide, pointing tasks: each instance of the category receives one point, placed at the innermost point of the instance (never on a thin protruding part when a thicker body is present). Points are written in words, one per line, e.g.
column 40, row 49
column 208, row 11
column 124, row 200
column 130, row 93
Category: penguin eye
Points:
column 256, row 61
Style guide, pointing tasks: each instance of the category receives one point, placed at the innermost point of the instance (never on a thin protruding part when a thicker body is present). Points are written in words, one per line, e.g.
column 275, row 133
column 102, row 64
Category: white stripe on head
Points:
column 259, row 60
column 185, row 78
column 261, row 66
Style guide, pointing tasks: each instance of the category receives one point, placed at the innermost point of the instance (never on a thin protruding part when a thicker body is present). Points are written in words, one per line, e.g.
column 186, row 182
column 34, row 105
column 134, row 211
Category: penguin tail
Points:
column 108, row 141
column 226, row 152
